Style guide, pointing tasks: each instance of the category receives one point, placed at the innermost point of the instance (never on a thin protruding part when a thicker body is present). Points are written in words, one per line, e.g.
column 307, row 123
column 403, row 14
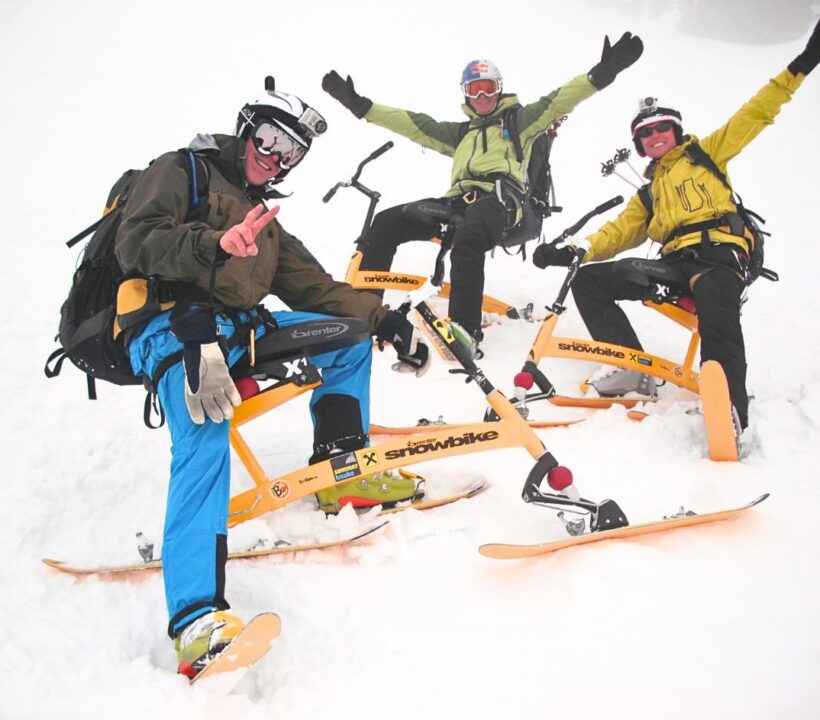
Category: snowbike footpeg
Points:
column 608, row 516
column 574, row 527
column 531, row 374
column 559, row 479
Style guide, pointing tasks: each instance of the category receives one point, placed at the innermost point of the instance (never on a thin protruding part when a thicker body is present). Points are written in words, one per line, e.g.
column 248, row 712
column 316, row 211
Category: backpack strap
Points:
column 198, row 179
column 510, row 124
column 645, row 196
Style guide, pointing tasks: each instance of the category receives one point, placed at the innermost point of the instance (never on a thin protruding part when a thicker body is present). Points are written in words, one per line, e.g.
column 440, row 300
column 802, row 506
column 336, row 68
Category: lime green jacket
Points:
column 683, row 193
column 486, row 151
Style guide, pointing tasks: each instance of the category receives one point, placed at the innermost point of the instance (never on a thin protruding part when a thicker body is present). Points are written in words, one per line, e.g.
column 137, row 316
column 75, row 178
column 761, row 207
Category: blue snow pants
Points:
column 194, row 543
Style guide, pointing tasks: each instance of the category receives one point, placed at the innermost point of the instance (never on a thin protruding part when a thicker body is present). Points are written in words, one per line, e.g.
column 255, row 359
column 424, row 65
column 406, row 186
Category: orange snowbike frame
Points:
column 667, row 301
column 508, row 428
column 429, row 443
column 407, row 282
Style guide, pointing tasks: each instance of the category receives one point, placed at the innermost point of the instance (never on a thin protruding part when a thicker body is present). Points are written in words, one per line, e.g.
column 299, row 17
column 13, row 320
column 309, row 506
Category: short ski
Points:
column 413, row 429
column 717, row 412
column 597, row 403
column 123, row 571
column 253, row 641
column 471, row 491
column 500, row 551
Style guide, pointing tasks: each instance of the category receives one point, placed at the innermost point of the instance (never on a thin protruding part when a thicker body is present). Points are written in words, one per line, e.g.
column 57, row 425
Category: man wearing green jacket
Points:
column 487, row 183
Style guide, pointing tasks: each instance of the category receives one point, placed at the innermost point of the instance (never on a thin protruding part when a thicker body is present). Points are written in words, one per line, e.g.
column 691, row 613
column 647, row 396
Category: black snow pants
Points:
column 484, row 223
column 714, row 273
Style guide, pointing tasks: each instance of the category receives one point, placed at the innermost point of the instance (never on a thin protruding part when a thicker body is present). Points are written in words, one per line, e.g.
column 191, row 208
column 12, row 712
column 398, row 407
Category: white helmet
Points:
column 481, row 70
column 289, row 113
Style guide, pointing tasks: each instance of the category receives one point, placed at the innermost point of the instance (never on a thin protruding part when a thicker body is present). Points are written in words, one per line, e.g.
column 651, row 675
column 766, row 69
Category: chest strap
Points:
column 731, row 223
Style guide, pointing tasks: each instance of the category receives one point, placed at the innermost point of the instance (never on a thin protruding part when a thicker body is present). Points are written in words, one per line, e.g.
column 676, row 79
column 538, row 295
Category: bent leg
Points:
column 483, row 226
column 389, row 230
column 717, row 296
column 340, row 406
column 596, row 290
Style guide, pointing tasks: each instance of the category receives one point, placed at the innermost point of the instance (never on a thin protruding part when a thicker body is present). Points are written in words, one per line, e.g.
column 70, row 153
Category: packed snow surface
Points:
column 718, row 621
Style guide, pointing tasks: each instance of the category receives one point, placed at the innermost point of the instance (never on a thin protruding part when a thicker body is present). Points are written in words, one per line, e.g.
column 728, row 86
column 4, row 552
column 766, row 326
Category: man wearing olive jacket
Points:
column 693, row 213
column 488, row 182
column 217, row 253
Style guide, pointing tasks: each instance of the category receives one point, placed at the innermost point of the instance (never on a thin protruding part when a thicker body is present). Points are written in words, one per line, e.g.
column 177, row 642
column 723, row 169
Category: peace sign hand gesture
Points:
column 240, row 240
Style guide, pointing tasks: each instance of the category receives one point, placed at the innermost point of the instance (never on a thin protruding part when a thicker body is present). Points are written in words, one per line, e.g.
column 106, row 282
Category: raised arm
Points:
column 422, row 129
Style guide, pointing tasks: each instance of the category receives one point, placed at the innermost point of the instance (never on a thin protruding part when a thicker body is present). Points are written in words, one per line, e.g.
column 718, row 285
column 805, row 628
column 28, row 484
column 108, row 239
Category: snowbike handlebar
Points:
column 354, row 181
column 558, row 306
column 602, row 208
column 373, row 195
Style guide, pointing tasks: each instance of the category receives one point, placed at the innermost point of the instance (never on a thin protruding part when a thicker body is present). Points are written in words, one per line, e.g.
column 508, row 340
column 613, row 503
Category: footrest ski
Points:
column 501, row 551
column 428, row 504
column 249, row 646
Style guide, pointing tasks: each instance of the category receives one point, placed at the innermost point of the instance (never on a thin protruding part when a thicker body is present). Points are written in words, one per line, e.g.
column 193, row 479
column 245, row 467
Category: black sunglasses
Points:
column 661, row 127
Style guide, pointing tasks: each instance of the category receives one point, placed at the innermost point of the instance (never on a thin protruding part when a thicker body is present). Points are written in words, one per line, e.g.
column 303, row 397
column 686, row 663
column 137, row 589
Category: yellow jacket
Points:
column 684, row 193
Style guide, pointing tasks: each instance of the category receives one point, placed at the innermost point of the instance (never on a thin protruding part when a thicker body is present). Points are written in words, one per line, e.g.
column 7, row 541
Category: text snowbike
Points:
column 538, row 205
column 667, row 292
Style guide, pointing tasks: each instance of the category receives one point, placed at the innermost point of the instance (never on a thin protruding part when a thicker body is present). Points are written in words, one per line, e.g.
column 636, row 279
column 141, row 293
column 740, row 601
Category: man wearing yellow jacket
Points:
column 487, row 182
column 693, row 215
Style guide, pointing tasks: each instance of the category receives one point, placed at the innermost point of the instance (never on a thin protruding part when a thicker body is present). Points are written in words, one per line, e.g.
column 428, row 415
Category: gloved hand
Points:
column 209, row 389
column 615, row 58
column 807, row 60
column 240, row 240
column 414, row 355
column 345, row 93
column 560, row 254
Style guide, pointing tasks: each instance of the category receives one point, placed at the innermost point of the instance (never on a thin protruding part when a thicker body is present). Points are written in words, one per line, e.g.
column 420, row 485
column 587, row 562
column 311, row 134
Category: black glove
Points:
column 346, row 94
column 615, row 58
column 550, row 254
column 414, row 356
column 807, row 60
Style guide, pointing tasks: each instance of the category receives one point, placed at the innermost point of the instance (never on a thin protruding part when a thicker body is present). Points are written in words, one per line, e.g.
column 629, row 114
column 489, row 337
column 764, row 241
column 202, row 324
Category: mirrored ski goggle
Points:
column 648, row 130
column 272, row 140
column 473, row 88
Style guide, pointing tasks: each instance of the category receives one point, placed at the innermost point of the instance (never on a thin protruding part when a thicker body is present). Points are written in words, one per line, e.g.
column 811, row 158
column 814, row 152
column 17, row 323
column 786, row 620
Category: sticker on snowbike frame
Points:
column 345, row 466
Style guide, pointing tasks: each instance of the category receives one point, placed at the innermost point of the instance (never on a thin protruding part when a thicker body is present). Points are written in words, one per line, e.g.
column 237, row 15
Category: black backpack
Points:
column 744, row 219
column 540, row 192
column 88, row 315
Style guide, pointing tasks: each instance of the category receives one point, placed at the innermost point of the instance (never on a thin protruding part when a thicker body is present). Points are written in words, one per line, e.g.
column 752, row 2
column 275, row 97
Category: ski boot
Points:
column 384, row 488
column 470, row 339
column 623, row 383
column 202, row 640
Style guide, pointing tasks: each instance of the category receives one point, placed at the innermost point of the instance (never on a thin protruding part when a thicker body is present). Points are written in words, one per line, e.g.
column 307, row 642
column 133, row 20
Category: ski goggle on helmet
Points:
column 280, row 124
column 481, row 76
column 270, row 139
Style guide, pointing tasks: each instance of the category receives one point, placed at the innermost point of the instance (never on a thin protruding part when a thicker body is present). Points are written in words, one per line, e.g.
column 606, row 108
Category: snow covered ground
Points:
column 718, row 621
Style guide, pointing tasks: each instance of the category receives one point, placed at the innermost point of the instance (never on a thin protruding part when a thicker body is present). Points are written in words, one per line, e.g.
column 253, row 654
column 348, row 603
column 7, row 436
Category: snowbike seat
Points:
column 432, row 212
column 300, row 341
column 653, row 273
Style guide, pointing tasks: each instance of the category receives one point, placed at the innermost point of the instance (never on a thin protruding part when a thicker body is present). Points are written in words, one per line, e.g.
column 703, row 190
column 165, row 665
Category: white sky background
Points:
column 415, row 623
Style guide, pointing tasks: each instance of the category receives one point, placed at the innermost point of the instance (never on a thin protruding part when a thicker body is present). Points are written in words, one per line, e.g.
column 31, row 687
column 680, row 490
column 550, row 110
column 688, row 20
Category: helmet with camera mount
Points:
column 650, row 113
column 283, row 115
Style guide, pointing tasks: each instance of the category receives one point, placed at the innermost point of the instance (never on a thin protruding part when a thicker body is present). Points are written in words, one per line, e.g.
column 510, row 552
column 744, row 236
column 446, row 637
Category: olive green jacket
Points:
column 158, row 238
column 486, row 151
